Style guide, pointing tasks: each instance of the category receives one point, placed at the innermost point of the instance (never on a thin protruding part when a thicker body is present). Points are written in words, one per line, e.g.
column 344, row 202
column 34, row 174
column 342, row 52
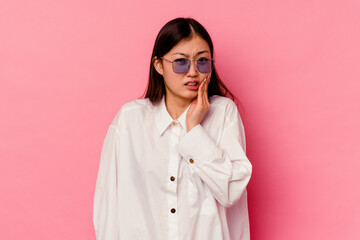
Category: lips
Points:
column 192, row 83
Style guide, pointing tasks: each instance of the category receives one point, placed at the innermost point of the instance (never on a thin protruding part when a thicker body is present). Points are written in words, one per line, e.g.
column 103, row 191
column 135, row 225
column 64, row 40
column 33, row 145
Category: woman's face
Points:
column 183, row 86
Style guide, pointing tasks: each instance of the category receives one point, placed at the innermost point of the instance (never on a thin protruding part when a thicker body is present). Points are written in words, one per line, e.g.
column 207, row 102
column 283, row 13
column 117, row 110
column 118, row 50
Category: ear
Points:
column 158, row 65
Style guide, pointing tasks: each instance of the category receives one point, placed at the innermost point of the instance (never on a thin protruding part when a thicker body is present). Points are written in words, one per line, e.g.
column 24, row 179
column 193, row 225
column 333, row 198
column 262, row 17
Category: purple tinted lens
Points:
column 181, row 65
column 204, row 65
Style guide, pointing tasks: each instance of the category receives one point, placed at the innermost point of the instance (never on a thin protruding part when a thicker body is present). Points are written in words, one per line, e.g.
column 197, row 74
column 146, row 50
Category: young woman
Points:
column 173, row 164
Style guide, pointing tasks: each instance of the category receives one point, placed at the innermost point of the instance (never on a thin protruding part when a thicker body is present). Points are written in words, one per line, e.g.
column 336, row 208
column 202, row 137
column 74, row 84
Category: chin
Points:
column 191, row 96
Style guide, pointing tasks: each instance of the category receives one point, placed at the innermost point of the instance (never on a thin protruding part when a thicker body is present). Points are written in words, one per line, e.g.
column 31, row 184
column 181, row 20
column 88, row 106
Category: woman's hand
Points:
column 199, row 106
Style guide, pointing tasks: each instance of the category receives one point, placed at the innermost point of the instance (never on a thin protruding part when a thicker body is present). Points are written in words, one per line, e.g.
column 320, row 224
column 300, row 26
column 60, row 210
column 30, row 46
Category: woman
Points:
column 173, row 164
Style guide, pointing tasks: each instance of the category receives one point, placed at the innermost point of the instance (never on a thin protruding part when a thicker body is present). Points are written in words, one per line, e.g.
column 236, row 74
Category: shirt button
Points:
column 175, row 124
column 173, row 210
column 191, row 160
column 172, row 178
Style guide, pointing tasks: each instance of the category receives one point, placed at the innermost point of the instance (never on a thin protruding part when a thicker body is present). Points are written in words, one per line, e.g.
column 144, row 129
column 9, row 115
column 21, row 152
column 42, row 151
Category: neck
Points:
column 176, row 106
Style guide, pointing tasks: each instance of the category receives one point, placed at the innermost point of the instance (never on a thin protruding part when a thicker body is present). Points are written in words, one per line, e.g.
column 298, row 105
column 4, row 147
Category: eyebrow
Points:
column 201, row 52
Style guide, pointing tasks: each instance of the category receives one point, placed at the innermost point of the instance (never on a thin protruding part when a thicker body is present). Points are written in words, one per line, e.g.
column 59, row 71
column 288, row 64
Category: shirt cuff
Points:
column 197, row 145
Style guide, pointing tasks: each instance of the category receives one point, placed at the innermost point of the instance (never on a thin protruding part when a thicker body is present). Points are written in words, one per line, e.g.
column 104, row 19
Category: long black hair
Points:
column 170, row 35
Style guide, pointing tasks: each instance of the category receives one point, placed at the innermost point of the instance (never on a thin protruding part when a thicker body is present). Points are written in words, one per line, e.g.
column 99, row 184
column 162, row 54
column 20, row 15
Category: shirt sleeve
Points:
column 105, row 200
column 224, row 168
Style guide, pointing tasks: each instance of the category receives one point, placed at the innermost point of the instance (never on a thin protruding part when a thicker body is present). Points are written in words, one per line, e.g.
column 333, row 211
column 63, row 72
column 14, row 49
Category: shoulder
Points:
column 222, row 103
column 224, row 108
column 132, row 110
column 137, row 104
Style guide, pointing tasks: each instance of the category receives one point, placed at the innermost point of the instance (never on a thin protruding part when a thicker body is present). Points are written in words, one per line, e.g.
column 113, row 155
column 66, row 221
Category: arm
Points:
column 224, row 168
column 105, row 200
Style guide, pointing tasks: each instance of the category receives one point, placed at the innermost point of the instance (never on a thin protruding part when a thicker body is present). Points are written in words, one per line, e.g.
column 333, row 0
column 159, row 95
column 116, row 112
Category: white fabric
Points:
column 144, row 147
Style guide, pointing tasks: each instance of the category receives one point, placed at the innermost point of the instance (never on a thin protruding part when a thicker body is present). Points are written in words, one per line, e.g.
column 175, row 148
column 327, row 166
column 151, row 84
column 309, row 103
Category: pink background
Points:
column 67, row 66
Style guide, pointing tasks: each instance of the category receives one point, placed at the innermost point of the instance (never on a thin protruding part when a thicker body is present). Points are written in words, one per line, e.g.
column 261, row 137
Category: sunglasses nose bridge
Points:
column 192, row 66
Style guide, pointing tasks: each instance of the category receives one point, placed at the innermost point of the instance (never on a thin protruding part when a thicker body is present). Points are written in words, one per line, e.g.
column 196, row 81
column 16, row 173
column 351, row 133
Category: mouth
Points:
column 192, row 83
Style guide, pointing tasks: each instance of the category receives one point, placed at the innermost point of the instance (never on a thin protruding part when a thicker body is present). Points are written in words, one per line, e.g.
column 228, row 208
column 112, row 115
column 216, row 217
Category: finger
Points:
column 206, row 88
column 201, row 92
column 204, row 93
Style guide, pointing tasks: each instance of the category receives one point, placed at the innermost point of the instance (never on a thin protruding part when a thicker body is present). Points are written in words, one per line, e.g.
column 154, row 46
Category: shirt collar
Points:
column 163, row 118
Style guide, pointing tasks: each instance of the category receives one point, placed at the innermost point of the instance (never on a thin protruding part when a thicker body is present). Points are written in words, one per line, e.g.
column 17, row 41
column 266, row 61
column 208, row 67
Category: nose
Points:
column 193, row 69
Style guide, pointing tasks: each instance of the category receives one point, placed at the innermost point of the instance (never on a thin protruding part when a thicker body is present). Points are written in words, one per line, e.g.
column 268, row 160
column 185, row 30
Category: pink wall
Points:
column 67, row 66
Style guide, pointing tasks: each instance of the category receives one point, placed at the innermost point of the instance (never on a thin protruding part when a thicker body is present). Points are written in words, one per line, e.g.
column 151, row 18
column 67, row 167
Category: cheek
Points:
column 172, row 83
column 167, row 72
column 172, row 80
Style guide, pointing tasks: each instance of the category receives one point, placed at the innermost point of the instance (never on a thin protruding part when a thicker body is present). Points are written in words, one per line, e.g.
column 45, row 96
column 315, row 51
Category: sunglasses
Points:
column 182, row 65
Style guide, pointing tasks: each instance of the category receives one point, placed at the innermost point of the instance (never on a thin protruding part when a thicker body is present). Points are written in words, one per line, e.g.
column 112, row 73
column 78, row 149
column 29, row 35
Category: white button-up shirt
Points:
column 157, row 181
